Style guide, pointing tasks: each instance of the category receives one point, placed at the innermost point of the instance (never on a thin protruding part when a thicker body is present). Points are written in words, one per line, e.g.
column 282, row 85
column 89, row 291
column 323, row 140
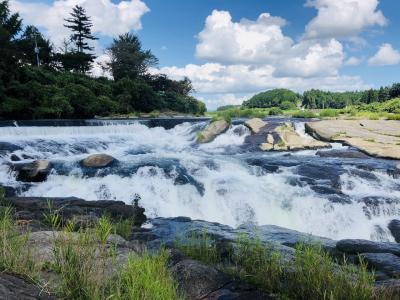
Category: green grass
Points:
column 311, row 274
column 329, row 113
column 304, row 114
column 146, row 277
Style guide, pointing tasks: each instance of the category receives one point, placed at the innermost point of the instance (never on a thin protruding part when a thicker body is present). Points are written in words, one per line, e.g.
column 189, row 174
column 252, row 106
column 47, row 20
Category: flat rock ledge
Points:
column 378, row 138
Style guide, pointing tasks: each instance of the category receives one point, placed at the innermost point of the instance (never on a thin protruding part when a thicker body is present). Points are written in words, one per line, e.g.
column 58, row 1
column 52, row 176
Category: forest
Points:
column 39, row 80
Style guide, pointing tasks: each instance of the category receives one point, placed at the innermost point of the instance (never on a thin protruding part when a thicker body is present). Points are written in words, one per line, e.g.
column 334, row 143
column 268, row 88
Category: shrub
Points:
column 304, row 114
column 275, row 111
column 329, row 113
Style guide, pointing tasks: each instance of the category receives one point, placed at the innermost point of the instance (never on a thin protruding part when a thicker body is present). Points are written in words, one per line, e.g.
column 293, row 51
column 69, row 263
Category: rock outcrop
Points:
column 255, row 124
column 36, row 171
column 290, row 140
column 13, row 287
column 98, row 161
column 394, row 227
column 379, row 138
column 212, row 131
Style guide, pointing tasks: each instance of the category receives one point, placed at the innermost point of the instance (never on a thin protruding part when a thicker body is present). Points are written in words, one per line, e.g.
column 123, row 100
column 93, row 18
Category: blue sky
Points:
column 232, row 49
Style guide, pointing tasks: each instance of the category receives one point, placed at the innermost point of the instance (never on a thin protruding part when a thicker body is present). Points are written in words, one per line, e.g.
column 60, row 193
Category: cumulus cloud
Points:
column 108, row 18
column 223, row 40
column 385, row 56
column 343, row 18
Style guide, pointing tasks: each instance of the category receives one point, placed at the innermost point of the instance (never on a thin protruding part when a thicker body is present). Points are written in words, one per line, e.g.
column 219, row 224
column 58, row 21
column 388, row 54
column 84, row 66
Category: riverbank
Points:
column 50, row 227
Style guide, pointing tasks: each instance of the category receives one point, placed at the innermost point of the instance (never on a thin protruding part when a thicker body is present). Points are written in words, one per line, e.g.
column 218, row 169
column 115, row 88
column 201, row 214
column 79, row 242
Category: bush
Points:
column 304, row 114
column 329, row 113
column 274, row 111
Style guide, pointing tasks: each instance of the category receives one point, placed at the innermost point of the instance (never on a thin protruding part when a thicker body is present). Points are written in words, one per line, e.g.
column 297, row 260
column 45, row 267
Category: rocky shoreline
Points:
column 197, row 280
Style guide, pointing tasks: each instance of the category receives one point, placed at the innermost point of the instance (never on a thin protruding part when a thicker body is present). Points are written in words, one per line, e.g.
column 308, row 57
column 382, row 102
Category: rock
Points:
column 71, row 207
column 388, row 289
column 386, row 263
column 98, row 161
column 255, row 124
column 212, row 131
column 237, row 290
column 6, row 147
column 197, row 280
column 343, row 154
column 377, row 138
column 36, row 171
column 289, row 139
column 364, row 246
column 15, row 288
column 394, row 227
column 14, row 157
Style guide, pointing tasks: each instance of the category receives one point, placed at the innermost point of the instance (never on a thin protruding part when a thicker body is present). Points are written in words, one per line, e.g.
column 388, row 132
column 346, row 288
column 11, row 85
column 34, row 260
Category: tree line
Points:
column 38, row 80
column 318, row 99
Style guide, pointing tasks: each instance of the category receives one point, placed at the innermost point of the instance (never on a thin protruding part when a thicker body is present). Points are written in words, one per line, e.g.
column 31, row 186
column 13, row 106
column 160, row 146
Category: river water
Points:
column 224, row 181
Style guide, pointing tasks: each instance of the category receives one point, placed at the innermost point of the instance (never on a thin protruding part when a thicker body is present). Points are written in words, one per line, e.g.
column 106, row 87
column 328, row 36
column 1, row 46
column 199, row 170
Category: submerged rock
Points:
column 394, row 227
column 212, row 131
column 255, row 124
column 343, row 154
column 375, row 137
column 36, row 171
column 98, row 161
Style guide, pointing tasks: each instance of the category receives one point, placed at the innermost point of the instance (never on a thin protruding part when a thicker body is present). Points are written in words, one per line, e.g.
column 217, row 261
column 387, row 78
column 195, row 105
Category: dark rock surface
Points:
column 36, row 171
column 394, row 227
column 386, row 263
column 6, row 147
column 363, row 246
column 343, row 154
column 33, row 208
column 15, row 288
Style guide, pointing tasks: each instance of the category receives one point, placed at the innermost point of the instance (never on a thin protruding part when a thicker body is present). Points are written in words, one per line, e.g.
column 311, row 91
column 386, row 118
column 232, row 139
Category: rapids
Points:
column 223, row 181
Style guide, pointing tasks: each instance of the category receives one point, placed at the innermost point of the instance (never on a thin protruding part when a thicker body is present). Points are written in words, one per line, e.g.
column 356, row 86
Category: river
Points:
column 225, row 181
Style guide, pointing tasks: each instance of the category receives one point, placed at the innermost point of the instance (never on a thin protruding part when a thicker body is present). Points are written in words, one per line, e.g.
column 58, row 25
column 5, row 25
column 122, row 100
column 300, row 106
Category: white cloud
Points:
column 353, row 61
column 343, row 18
column 223, row 40
column 385, row 56
column 108, row 18
column 213, row 79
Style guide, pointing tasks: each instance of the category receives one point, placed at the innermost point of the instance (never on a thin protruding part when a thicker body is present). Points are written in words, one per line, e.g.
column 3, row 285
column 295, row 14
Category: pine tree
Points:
column 81, row 27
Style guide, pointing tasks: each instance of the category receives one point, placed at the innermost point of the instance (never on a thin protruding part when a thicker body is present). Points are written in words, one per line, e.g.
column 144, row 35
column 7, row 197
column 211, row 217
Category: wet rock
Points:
column 15, row 157
column 197, row 280
column 363, row 246
column 98, row 161
column 343, row 154
column 212, row 131
column 255, row 124
column 36, row 171
column 71, row 207
column 386, row 263
column 15, row 288
column 6, row 147
column 394, row 227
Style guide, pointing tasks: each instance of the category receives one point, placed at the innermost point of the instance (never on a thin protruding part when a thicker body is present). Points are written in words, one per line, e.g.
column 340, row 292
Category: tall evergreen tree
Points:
column 128, row 59
column 81, row 27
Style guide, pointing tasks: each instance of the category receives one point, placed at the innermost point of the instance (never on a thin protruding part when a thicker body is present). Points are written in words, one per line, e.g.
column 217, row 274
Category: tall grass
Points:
column 311, row 274
column 146, row 277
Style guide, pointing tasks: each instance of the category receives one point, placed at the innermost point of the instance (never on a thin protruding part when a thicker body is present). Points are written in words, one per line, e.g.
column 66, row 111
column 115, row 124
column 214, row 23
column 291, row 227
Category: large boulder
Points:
column 212, row 131
column 394, row 227
column 363, row 246
column 98, row 161
column 386, row 263
column 36, row 171
column 255, row 124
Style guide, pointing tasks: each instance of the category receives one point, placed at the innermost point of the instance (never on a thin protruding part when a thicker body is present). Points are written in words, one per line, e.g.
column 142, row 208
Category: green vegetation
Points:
column 59, row 85
column 282, row 98
column 304, row 114
column 85, row 265
column 311, row 274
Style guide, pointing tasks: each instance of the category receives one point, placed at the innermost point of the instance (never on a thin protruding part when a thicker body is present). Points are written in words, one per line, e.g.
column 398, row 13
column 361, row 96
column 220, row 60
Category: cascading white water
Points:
column 176, row 177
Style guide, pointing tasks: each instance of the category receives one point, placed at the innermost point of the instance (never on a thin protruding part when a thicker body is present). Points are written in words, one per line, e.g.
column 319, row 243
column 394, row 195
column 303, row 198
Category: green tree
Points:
column 80, row 59
column 395, row 90
column 128, row 59
column 383, row 94
column 27, row 43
